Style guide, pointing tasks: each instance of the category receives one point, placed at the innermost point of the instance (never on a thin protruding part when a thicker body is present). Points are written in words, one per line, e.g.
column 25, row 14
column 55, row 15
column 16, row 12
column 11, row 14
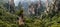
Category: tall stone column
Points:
column 11, row 6
column 21, row 19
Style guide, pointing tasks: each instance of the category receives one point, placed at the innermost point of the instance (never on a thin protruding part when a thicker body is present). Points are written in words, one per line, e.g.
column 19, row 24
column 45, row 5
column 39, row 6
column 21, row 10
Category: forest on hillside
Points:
column 31, row 14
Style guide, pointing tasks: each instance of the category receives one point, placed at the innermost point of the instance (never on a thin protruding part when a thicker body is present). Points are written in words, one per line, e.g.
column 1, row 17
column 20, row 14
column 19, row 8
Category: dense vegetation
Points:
column 8, row 19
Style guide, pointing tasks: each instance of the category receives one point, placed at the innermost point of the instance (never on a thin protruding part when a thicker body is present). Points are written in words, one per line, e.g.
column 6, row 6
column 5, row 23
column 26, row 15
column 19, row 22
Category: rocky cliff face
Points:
column 11, row 6
column 53, row 8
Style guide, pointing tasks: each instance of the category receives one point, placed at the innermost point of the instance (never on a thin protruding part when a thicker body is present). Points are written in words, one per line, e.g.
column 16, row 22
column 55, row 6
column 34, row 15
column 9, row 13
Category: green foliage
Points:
column 19, row 12
column 10, row 20
column 7, row 19
column 46, row 22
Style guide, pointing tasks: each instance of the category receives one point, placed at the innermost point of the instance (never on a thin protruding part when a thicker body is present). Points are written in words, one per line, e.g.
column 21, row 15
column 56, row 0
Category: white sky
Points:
column 17, row 1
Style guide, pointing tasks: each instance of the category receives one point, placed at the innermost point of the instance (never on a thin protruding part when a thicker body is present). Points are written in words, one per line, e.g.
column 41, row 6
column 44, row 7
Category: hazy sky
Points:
column 17, row 1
